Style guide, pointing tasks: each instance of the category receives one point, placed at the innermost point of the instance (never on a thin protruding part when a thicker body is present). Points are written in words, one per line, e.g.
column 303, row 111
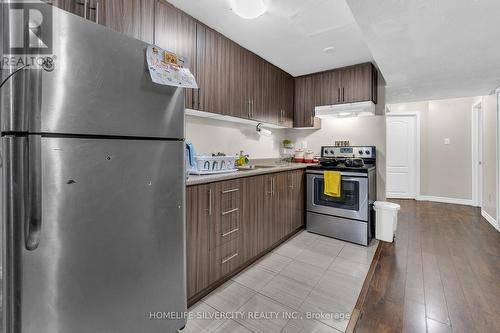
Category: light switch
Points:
column 447, row 141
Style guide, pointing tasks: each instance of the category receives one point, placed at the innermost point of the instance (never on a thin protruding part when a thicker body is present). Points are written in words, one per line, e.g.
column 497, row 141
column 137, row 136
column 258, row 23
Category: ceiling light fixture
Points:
column 248, row 9
column 329, row 49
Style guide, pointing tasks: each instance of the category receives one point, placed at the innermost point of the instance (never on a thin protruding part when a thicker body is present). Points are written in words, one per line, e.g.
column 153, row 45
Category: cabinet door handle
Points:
column 230, row 191
column 338, row 95
column 230, row 211
column 230, row 232
column 199, row 98
column 252, row 112
column 272, row 186
column 85, row 9
column 293, row 182
column 343, row 94
column 210, row 202
column 229, row 258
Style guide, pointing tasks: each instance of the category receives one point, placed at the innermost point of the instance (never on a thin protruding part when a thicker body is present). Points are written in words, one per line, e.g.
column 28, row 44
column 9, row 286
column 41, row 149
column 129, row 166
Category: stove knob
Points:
column 360, row 152
column 332, row 152
column 367, row 152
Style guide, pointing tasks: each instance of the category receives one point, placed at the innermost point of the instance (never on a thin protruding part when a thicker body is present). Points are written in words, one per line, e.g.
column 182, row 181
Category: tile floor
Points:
column 297, row 288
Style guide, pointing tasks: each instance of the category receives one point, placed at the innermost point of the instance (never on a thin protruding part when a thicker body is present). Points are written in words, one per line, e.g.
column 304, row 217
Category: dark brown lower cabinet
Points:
column 231, row 223
column 198, row 217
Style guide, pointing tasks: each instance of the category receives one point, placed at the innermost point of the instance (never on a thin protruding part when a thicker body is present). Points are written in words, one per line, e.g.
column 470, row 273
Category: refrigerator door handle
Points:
column 33, row 224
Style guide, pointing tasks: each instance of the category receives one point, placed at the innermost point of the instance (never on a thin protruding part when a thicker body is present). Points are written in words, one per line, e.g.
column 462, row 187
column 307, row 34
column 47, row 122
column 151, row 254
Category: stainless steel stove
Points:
column 349, row 217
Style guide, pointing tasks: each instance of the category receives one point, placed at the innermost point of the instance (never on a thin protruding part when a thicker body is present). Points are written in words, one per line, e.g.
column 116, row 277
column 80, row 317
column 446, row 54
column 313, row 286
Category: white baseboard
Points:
column 490, row 220
column 454, row 201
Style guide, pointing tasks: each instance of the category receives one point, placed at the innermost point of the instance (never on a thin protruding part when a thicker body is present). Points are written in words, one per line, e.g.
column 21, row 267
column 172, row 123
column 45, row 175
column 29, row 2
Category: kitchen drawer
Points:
column 228, row 194
column 228, row 227
column 226, row 223
column 226, row 259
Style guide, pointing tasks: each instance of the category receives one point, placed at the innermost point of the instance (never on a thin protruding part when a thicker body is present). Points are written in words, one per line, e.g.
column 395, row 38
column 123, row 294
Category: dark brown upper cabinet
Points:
column 91, row 10
column 175, row 31
column 305, row 102
column 130, row 17
column 358, row 83
column 212, row 70
column 351, row 84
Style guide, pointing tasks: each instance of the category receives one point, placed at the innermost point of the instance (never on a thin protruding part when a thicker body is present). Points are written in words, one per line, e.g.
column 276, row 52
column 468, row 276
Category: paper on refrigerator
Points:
column 168, row 69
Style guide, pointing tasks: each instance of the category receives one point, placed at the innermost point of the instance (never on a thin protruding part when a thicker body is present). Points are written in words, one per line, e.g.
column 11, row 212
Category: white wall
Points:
column 489, row 155
column 359, row 131
column 445, row 170
column 212, row 136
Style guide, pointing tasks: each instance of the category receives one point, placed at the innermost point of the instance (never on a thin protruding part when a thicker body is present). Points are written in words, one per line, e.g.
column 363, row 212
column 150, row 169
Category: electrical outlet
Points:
column 447, row 141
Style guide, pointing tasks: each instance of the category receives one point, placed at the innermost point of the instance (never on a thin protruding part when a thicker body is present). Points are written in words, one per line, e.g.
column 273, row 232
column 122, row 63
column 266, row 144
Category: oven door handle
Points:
column 352, row 179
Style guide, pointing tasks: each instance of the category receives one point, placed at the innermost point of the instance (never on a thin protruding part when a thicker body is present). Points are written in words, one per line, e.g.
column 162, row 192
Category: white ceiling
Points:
column 433, row 49
column 291, row 34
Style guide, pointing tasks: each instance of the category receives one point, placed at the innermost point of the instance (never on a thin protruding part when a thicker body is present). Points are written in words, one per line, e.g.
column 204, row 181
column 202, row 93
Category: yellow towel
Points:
column 332, row 183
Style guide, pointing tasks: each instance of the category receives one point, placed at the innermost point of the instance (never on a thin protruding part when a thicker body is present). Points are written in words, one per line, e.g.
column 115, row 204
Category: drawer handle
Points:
column 230, row 191
column 230, row 232
column 230, row 211
column 229, row 258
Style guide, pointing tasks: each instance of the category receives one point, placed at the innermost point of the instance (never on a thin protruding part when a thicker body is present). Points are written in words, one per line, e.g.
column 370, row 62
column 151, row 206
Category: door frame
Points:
column 417, row 147
column 497, row 91
column 477, row 153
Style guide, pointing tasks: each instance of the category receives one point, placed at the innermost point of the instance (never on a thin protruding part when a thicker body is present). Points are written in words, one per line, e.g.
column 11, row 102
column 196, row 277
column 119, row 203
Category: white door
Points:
column 401, row 156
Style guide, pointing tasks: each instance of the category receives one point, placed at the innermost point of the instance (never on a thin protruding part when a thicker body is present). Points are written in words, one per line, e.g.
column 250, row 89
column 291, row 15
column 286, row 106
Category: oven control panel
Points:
column 348, row 152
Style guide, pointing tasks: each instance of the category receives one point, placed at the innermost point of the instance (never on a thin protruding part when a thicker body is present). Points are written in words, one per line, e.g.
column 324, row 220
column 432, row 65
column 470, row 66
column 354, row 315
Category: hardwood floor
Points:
column 442, row 274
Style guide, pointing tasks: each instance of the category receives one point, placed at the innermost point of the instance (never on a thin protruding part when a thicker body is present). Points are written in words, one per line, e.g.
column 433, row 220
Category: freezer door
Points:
column 109, row 253
column 100, row 85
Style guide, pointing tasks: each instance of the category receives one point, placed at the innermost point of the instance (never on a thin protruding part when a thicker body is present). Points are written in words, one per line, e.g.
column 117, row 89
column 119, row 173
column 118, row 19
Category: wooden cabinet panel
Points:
column 287, row 99
column 225, row 224
column 275, row 208
column 214, row 65
column 77, row 7
column 252, row 215
column 297, row 199
column 250, row 82
column 197, row 238
column 282, row 215
column 130, row 17
column 357, row 83
column 275, row 95
column 175, row 31
column 327, row 88
column 304, row 101
column 261, row 97
column 236, row 81
column 225, row 259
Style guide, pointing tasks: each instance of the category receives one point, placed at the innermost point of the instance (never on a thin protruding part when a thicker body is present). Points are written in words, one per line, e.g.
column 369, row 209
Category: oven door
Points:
column 353, row 202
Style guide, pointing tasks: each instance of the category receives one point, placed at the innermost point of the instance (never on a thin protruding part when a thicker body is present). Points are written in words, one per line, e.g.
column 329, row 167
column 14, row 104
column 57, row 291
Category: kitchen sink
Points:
column 256, row 167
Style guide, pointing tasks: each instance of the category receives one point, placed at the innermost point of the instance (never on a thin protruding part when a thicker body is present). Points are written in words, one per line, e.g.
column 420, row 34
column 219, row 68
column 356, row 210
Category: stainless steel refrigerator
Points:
column 93, row 188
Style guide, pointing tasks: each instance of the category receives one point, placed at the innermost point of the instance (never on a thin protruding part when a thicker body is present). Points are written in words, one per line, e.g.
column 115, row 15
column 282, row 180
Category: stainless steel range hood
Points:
column 345, row 110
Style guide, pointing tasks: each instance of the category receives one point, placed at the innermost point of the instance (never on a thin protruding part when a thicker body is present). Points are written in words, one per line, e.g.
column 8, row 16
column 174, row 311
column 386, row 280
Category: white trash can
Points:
column 386, row 220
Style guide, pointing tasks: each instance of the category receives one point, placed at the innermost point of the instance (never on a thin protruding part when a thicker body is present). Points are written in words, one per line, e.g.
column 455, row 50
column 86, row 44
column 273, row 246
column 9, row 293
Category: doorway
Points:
column 403, row 155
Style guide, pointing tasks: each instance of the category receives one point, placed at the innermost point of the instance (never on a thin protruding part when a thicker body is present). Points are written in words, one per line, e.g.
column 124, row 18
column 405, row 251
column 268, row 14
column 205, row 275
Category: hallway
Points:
column 441, row 275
